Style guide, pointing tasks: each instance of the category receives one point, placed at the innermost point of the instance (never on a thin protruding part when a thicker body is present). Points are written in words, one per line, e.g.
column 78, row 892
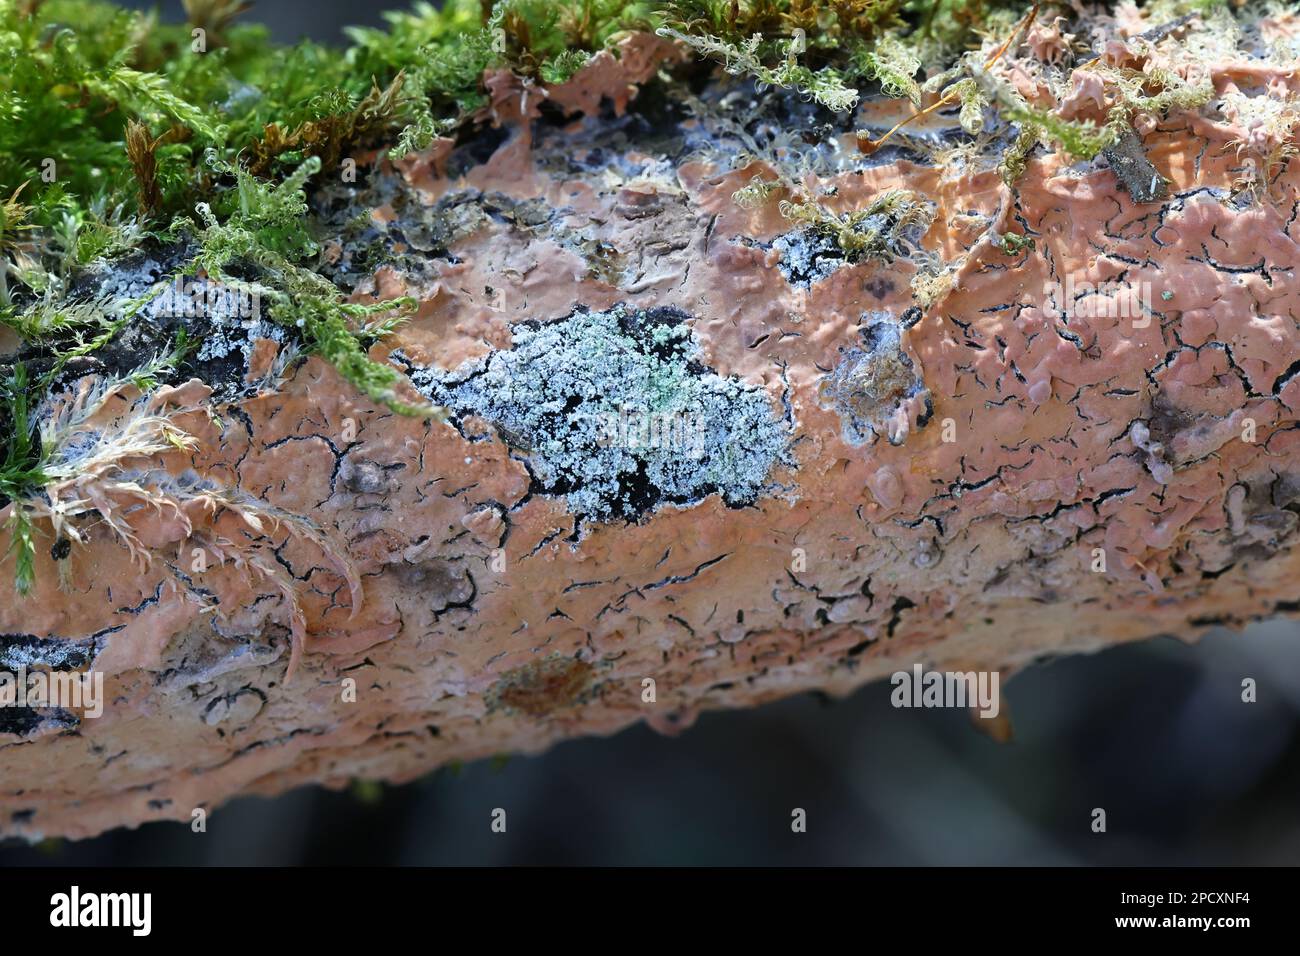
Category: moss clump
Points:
column 261, row 229
column 20, row 469
column 114, row 128
column 883, row 229
column 826, row 49
column 826, row 85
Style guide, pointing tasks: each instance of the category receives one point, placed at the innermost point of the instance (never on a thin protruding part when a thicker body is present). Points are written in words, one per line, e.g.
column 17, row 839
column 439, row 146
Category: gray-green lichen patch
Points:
column 617, row 414
column 220, row 321
column 870, row 385
column 808, row 256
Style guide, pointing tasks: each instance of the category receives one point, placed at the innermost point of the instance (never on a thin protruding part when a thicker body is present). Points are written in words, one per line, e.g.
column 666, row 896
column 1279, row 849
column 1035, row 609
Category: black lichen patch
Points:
column 1167, row 420
column 870, row 383
column 417, row 234
column 808, row 256
column 20, row 720
column 27, row 650
column 219, row 321
column 646, row 137
column 25, row 721
column 617, row 413
column 24, row 652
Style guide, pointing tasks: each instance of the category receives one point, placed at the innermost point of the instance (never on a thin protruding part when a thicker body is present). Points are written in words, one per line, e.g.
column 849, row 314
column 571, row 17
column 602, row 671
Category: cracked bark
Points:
column 494, row 618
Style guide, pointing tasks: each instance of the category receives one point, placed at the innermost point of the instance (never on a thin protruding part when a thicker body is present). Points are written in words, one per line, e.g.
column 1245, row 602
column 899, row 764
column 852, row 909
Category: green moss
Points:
column 972, row 99
column 1012, row 243
column 74, row 73
column 262, row 227
column 743, row 58
column 1156, row 93
column 20, row 470
column 828, row 27
column 1082, row 139
column 892, row 63
column 876, row 231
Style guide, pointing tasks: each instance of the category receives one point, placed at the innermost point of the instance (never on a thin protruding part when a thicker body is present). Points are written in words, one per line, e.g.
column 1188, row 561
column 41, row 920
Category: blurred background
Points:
column 1155, row 733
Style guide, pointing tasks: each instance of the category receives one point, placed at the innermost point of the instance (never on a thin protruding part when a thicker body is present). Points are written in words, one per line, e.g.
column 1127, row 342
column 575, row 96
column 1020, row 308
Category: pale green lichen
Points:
column 892, row 63
column 616, row 414
column 825, row 85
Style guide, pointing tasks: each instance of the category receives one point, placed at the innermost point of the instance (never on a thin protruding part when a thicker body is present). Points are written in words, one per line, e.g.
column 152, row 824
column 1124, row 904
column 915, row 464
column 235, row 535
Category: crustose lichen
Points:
column 617, row 414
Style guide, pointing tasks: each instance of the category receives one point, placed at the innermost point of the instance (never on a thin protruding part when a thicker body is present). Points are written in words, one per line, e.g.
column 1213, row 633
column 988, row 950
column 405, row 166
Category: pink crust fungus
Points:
column 668, row 326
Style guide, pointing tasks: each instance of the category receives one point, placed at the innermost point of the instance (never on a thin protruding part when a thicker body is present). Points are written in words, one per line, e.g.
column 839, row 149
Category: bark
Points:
column 1010, row 468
